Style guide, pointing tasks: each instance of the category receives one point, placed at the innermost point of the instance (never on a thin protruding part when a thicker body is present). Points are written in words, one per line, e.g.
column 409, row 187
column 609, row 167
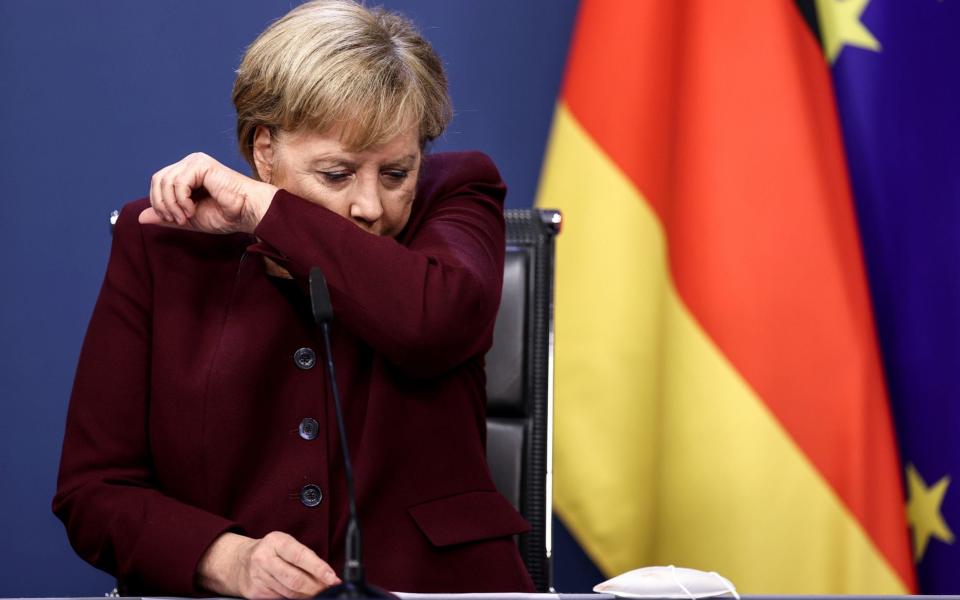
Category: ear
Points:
column 263, row 149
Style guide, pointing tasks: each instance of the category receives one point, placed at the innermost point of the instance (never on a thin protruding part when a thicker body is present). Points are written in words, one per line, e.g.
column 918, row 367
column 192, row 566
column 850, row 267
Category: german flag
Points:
column 720, row 401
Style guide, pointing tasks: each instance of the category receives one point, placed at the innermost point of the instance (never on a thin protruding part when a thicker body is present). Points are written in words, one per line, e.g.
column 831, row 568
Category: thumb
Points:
column 152, row 217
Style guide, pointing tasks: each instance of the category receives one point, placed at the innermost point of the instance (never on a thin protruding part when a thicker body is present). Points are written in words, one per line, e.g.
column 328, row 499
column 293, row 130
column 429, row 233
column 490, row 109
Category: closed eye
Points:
column 395, row 176
column 334, row 176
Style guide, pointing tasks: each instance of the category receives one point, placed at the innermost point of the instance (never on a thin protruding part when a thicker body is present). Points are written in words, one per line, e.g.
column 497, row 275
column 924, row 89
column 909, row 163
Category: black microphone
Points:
column 354, row 582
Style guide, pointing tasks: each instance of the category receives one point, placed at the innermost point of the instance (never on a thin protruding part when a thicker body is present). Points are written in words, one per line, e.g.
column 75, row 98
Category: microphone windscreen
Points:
column 320, row 297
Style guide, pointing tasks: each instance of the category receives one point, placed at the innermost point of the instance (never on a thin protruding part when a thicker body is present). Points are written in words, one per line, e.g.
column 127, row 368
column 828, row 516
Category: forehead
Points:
column 312, row 143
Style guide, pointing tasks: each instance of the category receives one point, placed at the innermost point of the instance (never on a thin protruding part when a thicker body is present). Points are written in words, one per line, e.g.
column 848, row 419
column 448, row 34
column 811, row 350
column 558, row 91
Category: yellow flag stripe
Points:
column 663, row 454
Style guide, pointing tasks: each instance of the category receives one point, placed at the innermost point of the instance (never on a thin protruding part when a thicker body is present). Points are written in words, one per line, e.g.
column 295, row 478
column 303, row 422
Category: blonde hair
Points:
column 335, row 63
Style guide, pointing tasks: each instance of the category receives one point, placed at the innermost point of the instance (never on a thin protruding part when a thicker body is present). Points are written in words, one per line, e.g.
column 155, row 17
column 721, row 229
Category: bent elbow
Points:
column 447, row 338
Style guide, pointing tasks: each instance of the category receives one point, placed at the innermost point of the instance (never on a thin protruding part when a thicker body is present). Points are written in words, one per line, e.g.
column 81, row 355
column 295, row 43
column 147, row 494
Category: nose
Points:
column 366, row 206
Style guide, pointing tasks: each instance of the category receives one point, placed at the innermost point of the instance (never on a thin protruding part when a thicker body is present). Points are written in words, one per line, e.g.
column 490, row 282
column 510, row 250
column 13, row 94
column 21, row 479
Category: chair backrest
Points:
column 519, row 370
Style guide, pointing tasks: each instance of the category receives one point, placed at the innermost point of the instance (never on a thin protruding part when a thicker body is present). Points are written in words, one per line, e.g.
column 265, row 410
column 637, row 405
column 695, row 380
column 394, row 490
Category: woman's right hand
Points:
column 200, row 194
column 274, row 566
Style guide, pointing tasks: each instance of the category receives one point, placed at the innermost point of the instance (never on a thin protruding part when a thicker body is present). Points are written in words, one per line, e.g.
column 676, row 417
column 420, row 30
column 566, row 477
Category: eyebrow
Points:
column 410, row 158
column 346, row 162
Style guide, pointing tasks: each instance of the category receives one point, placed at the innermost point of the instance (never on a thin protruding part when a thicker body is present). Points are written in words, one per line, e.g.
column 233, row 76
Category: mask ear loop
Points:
column 676, row 580
column 726, row 584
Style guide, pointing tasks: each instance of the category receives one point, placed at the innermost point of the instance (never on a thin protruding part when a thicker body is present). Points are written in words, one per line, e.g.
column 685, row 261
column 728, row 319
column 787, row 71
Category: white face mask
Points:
column 667, row 582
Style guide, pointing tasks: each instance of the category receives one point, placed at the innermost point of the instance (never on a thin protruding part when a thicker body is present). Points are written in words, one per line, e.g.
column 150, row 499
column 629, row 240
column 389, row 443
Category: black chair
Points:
column 519, row 370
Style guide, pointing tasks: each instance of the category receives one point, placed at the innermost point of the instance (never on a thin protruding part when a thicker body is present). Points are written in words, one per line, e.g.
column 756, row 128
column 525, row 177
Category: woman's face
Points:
column 373, row 188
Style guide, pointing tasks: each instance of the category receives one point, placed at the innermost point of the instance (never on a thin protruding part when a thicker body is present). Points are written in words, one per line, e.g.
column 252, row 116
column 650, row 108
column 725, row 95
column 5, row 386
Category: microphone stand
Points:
column 354, row 581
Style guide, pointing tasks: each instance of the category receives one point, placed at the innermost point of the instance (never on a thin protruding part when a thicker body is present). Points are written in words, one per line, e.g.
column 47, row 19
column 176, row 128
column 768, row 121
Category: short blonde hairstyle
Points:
column 335, row 63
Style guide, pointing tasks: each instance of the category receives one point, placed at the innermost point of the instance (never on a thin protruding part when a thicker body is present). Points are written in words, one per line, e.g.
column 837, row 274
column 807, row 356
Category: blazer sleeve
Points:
column 107, row 497
column 427, row 304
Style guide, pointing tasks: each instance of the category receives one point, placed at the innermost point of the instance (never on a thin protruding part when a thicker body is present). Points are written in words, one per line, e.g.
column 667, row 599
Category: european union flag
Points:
column 896, row 70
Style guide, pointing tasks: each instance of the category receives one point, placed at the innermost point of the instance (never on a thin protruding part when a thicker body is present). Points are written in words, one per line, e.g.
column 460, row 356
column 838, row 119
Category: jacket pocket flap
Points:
column 467, row 518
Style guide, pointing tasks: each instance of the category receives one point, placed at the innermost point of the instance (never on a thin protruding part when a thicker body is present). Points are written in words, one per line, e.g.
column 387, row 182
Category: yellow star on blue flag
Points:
column 840, row 26
column 923, row 511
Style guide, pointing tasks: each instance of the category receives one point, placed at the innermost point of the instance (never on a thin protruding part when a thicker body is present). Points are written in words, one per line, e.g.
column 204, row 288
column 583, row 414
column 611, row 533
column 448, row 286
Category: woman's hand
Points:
column 200, row 194
column 275, row 566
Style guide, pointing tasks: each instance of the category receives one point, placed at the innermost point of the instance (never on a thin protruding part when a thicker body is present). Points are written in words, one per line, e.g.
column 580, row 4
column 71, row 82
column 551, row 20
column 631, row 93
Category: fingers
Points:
column 174, row 198
column 280, row 566
column 265, row 587
column 172, row 187
column 302, row 557
column 290, row 581
column 162, row 197
column 156, row 201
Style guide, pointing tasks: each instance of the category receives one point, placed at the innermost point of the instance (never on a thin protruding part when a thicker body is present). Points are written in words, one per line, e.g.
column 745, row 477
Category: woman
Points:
column 201, row 451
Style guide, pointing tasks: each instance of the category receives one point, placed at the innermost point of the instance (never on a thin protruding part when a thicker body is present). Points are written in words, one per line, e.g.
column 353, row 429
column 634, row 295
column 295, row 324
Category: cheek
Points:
column 308, row 188
column 397, row 213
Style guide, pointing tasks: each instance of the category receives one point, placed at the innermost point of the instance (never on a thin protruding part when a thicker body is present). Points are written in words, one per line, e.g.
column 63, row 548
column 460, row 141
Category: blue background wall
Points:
column 97, row 95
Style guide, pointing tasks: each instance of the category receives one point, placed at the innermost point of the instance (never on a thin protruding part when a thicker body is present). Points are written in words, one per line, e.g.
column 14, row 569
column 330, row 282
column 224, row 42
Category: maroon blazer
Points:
column 201, row 404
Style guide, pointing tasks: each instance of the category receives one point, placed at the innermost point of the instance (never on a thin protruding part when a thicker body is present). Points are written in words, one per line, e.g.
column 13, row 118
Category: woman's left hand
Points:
column 200, row 194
